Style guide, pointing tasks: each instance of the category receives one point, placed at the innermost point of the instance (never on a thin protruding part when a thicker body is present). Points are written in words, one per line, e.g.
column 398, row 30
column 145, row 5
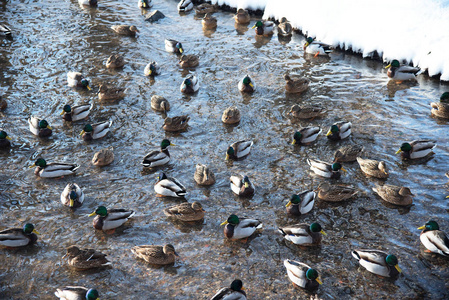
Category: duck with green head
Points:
column 110, row 219
column 39, row 127
column 301, row 203
column 246, row 85
column 238, row 149
column 75, row 113
column 241, row 186
column 145, row 4
column 77, row 293
column 441, row 109
column 76, row 79
column 72, row 196
column 173, row 46
column 378, row 262
column 264, row 28
column 316, row 48
column 190, row 84
column 399, row 72
column 151, row 69
column 53, row 169
column 416, row 149
column 156, row 255
column 95, row 131
column 158, row 158
column 434, row 239
column 303, row 234
column 306, row 135
column 4, row 140
column 234, row 292
column 325, row 169
column 339, row 130
column 169, row 187
column 302, row 275
column 19, row 237
column 240, row 228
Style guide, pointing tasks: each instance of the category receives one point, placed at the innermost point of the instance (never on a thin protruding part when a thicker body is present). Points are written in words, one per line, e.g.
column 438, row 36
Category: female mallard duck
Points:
column 242, row 17
column 298, row 85
column 203, row 175
column 416, row 149
column 169, row 186
column 335, row 193
column 206, row 8
column 187, row 212
column 209, row 22
column 107, row 93
column 284, row 27
column 174, row 124
column 91, row 3
column 72, row 195
column 115, row 61
column 302, row 275
column 76, row 79
column 39, row 127
column 394, row 194
column 239, row 149
column 348, row 153
column 434, row 239
column 53, row 169
column 156, row 255
column 4, row 30
column 75, row 113
column 158, row 158
column 19, row 237
column 77, row 293
column 240, row 228
column 173, row 46
column 441, row 109
column 4, row 140
column 159, row 103
column 303, row 234
column 231, row 115
column 246, row 85
column 103, row 157
column 185, row 6
column 95, row 131
column 189, row 61
column 146, row 4
column 190, row 84
column 110, row 219
column 264, row 28
column 301, row 204
column 241, row 186
column 151, row 69
column 373, row 167
column 325, row 169
column 316, row 48
column 84, row 259
column 306, row 111
column 339, row 130
column 235, row 292
column 401, row 73
column 125, row 30
column 378, row 262
column 306, row 135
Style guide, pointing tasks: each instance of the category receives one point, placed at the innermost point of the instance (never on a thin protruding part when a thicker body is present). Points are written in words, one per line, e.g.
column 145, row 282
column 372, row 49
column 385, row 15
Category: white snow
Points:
column 246, row 4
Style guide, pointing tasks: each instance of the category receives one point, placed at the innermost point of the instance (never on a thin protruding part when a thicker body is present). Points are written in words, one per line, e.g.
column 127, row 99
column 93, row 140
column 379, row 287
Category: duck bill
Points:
column 180, row 50
column 32, row 166
column 49, row 127
column 288, row 204
column 329, row 133
column 224, row 223
column 63, row 112
column 251, row 84
column 322, row 232
column 92, row 214
column 246, row 185
column 227, row 156
column 82, row 132
column 343, row 169
column 172, row 144
column 9, row 138
column 88, row 87
column 294, row 142
column 388, row 66
column 423, row 227
column 71, row 203
column 306, row 44
column 253, row 26
column 151, row 72
column 319, row 281
column 35, row 231
column 397, row 268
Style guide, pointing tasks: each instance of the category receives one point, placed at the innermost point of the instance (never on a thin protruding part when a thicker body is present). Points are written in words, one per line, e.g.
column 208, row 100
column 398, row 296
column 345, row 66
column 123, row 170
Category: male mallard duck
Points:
column 316, row 48
column 394, row 194
column 151, row 69
column 156, row 255
column 53, row 169
column 306, row 135
column 301, row 204
column 240, row 228
column 110, row 219
column 378, row 262
column 339, row 130
column 373, row 167
column 39, row 127
column 235, row 292
column 72, row 195
column 110, row 93
column 231, row 115
column 75, row 113
column 84, row 259
column 159, row 103
column 189, row 61
column 284, row 27
column 303, row 234
column 169, row 186
column 77, row 293
column 103, row 157
column 296, row 85
column 125, row 30
column 242, row 17
column 325, row 169
column 209, row 22
column 4, row 140
column 4, row 30
column 416, row 149
column 173, row 46
column 146, row 4
column 206, row 8
column 203, row 175
column 348, row 153
column 158, row 158
column 434, row 239
column 115, row 61
column 441, row 109
column 174, row 124
column 306, row 111
column 334, row 192
column 95, row 131
column 91, row 3
column 185, row 5
column 401, row 73
column 241, row 186
column 76, row 79
column 190, row 84
column 187, row 212
column 246, row 85
column 19, row 237
column 239, row 149
column 264, row 27
column 302, row 275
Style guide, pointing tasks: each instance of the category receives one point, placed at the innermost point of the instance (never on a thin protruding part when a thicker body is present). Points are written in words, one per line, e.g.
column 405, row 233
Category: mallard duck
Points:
column 158, row 158
column 264, row 27
column 302, row 275
column 103, row 157
column 77, row 293
column 39, row 127
column 339, row 130
column 203, row 175
column 416, row 149
column 185, row 5
column 234, row 292
column 72, row 195
column 4, row 30
column 206, row 8
column 394, row 194
column 156, row 255
column 190, row 84
column 301, row 204
column 316, row 48
column 242, row 17
column 173, row 46
column 189, row 61
column 434, row 239
column 174, row 124
column 401, row 73
column 4, row 140
column 306, row 111
column 146, row 4
column 373, row 167
column 303, row 234
column 95, row 131
column 110, row 219
column 75, row 113
column 115, row 61
column 306, row 135
column 284, row 27
column 151, row 69
column 53, row 169
column 159, row 103
column 325, row 169
column 231, row 115
column 241, row 186
column 187, row 212
column 246, row 85
column 240, row 228
column 76, row 79
column 19, row 237
column 378, row 262
column 169, row 186
column 209, row 22
column 91, row 3
column 239, row 149
column 348, row 153
column 84, row 259
column 108, row 93
column 334, row 192
column 441, row 109
column 125, row 30
column 298, row 85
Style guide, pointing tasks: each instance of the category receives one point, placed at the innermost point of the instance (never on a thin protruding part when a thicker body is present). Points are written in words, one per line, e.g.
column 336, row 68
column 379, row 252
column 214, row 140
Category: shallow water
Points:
column 54, row 37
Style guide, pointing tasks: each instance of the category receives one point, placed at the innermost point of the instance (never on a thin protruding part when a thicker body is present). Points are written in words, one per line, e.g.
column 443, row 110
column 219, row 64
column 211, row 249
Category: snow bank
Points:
column 246, row 4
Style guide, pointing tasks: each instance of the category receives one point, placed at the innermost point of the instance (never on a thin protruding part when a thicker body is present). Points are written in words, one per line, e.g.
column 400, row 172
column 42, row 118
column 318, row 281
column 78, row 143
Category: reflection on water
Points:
column 54, row 37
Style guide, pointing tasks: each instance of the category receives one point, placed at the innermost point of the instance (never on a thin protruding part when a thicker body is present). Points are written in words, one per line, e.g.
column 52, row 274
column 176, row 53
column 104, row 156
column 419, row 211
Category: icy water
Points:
column 54, row 37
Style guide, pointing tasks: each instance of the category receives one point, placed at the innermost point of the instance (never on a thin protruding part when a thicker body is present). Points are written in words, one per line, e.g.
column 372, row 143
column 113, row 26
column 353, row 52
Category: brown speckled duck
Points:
column 187, row 212
column 84, row 259
column 189, row 61
column 306, row 111
column 348, row 153
column 103, row 157
column 231, row 115
column 209, row 22
column 106, row 93
column 298, row 85
column 159, row 103
column 125, row 30
column 394, row 194
column 441, row 109
column 373, row 167
column 174, row 124
column 242, row 17
column 156, row 255
column 115, row 61
column 203, row 175
column 335, row 193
